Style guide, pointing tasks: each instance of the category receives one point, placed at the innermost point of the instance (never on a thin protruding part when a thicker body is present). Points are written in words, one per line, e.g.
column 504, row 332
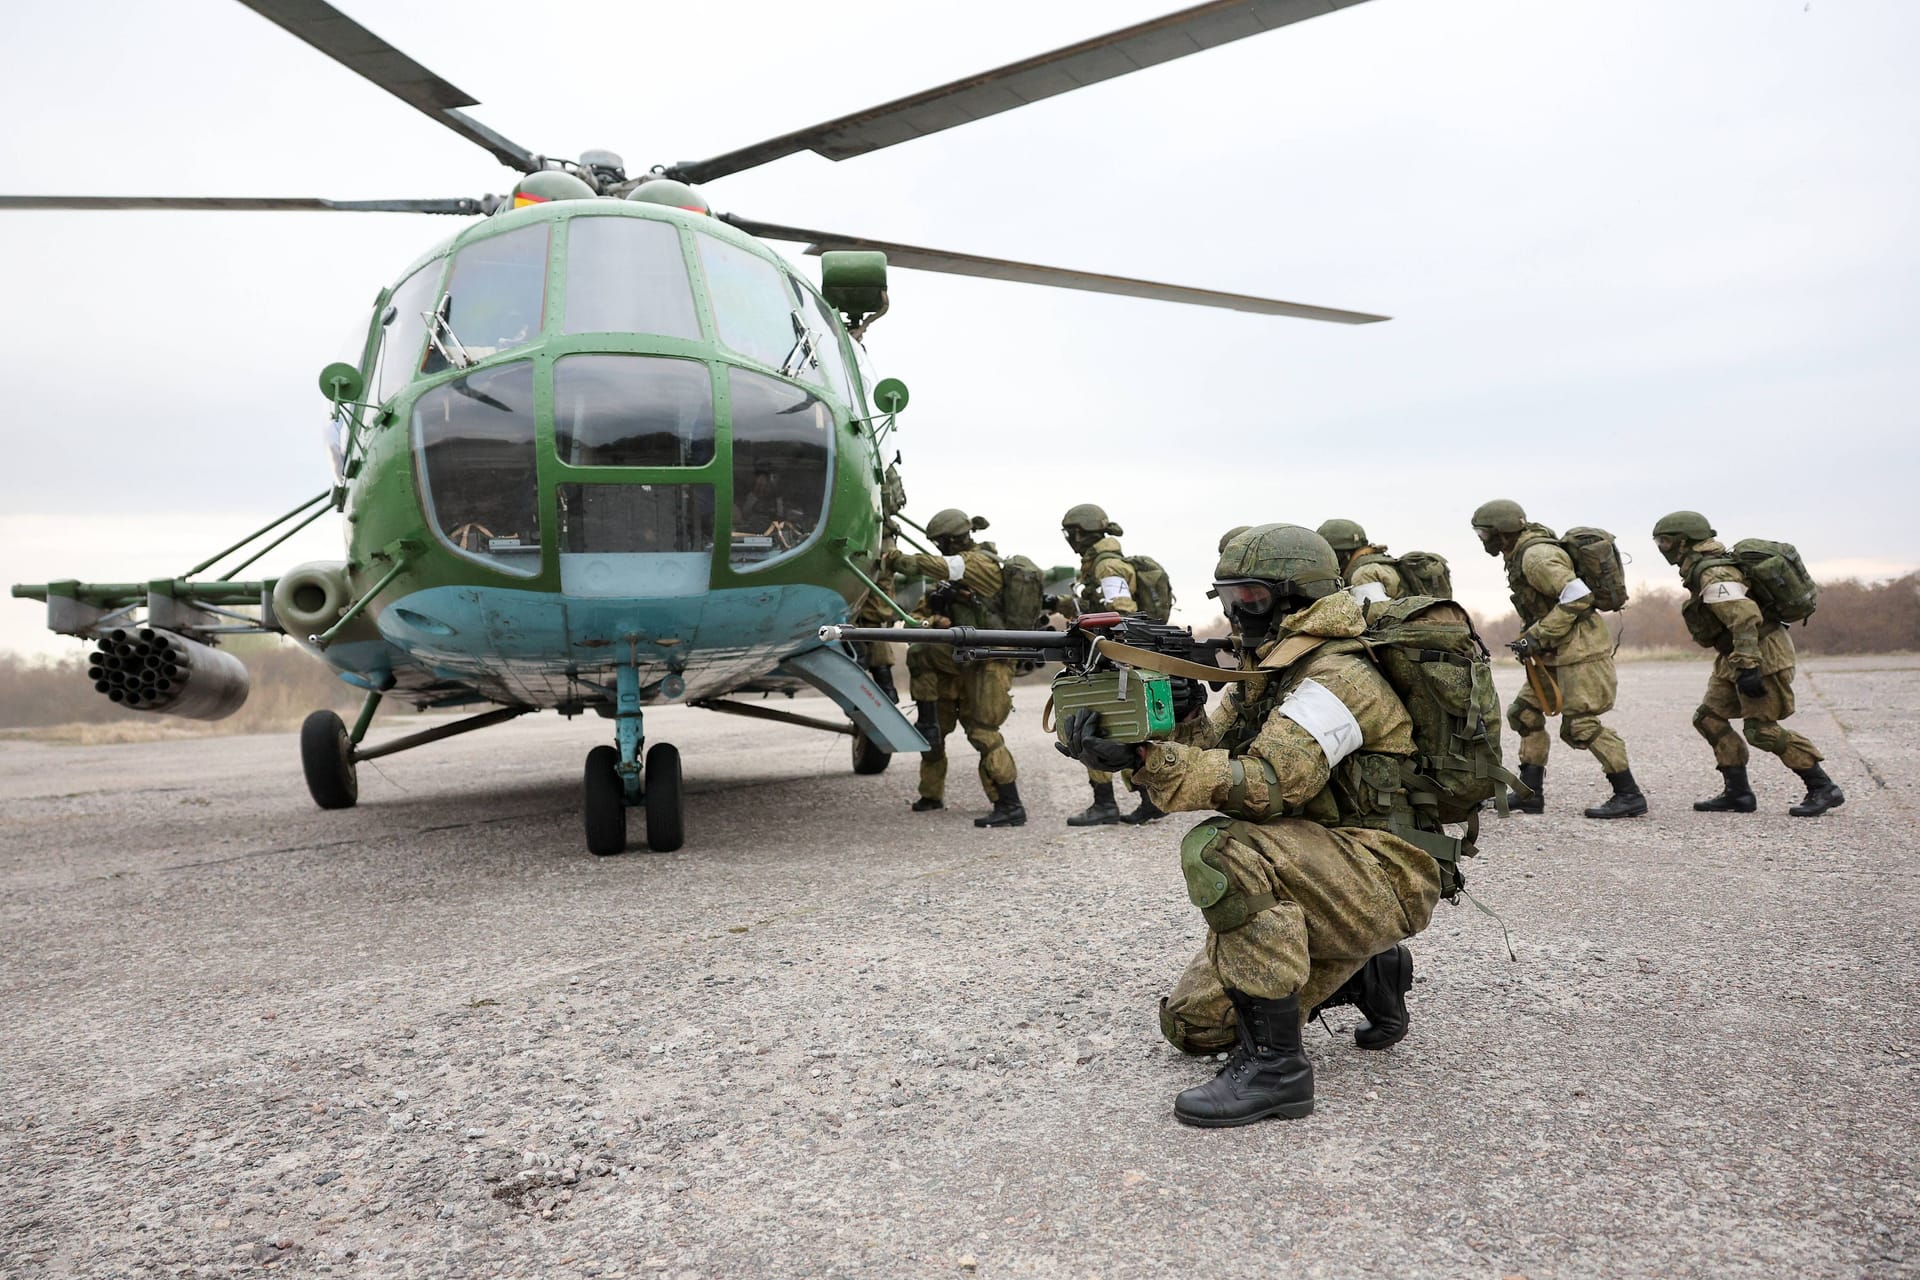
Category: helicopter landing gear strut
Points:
column 615, row 780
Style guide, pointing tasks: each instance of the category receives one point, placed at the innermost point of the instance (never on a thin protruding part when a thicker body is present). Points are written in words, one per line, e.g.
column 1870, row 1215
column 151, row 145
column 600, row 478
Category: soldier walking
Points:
column 1566, row 637
column 1108, row 583
column 978, row 696
column 1752, row 679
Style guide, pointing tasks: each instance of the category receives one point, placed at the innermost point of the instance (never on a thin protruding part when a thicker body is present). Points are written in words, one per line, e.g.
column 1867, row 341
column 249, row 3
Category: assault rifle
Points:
column 1141, row 676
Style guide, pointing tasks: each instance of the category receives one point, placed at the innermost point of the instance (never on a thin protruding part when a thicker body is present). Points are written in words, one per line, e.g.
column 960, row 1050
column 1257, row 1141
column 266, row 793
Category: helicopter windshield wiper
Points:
column 440, row 333
column 804, row 355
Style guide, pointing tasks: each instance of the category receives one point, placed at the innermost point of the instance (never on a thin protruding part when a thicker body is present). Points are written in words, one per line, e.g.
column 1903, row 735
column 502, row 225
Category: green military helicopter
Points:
column 603, row 449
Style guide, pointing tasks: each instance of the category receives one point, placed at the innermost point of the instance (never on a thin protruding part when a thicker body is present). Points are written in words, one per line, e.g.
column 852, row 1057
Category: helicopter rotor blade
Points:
column 1146, row 44
column 967, row 264
column 253, row 204
column 359, row 50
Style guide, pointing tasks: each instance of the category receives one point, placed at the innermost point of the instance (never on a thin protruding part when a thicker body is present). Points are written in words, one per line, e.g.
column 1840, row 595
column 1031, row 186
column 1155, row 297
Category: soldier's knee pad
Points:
column 1187, row 1038
column 1526, row 719
column 1764, row 734
column 1708, row 725
column 1579, row 731
column 1211, row 887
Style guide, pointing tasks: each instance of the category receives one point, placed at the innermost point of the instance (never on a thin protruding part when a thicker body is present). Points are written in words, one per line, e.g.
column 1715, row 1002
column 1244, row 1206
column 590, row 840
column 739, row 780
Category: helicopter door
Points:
column 624, row 539
column 782, row 459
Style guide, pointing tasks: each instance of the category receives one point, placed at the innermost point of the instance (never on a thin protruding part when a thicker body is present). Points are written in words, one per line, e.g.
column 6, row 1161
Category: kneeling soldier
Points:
column 1752, row 679
column 1305, row 889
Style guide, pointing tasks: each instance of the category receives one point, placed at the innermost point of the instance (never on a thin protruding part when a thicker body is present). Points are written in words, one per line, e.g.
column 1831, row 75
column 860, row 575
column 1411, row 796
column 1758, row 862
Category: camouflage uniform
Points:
column 1106, row 583
column 1559, row 615
column 978, row 696
column 1721, row 615
column 1325, row 885
column 1372, row 575
column 874, row 610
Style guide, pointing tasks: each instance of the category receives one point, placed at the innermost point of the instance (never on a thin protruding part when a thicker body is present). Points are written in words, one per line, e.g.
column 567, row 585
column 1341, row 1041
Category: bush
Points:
column 1854, row 617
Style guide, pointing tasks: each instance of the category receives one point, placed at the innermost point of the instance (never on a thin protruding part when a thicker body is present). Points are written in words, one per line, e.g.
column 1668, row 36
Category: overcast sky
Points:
column 1641, row 254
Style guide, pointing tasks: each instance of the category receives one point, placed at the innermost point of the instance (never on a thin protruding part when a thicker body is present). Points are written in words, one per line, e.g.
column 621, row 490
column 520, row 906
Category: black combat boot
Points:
column 1822, row 794
column 1007, row 809
column 883, row 678
column 1736, row 794
column 1379, row 990
column 1534, row 778
column 927, row 721
column 1101, row 812
column 927, row 804
column 1626, row 801
column 1147, row 812
column 1267, row 1074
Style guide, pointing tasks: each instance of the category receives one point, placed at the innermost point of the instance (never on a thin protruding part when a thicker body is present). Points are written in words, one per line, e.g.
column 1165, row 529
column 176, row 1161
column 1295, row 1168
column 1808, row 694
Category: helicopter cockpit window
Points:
column 494, row 300
column 475, row 437
column 782, row 441
column 632, row 411
column 405, row 334
column 752, row 303
column 826, row 328
column 627, row 275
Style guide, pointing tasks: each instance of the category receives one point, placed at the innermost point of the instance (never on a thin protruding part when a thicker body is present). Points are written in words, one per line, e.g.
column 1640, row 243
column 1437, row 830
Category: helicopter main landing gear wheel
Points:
column 326, row 757
column 665, row 802
column 604, row 802
column 869, row 756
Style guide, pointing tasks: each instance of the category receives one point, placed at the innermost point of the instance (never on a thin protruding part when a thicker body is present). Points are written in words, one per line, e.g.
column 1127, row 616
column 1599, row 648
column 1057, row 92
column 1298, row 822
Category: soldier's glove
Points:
column 1750, row 684
column 1189, row 698
column 1526, row 647
column 1051, row 604
column 1081, row 740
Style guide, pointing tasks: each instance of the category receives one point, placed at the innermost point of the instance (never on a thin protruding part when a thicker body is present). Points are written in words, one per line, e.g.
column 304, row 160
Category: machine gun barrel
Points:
column 1029, row 642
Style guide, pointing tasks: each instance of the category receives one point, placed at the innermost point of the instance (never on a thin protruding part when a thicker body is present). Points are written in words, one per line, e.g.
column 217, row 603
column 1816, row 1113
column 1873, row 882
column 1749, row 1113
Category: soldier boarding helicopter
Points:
column 602, row 449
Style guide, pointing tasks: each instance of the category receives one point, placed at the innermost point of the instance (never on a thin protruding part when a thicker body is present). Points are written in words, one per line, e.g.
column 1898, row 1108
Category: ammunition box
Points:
column 1133, row 705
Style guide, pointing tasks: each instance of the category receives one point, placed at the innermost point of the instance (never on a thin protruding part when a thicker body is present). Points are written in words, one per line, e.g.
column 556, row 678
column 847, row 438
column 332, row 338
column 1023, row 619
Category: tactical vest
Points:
column 1702, row 623
column 1531, row 603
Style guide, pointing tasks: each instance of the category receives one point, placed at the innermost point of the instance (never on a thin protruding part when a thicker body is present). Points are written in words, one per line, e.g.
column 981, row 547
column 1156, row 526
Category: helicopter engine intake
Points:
column 146, row 669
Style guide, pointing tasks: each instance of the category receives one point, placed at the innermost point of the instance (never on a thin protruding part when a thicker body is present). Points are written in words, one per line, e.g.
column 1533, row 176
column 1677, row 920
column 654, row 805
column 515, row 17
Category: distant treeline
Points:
column 287, row 684
column 1854, row 617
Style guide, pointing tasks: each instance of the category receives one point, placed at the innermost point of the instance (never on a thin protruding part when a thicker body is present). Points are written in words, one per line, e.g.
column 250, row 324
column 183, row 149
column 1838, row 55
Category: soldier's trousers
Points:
column 978, row 697
column 1759, row 722
column 1586, row 693
column 1340, row 895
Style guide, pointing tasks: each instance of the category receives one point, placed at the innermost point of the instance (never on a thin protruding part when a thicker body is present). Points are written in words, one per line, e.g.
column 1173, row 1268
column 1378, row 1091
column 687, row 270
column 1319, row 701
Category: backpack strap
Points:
column 1705, row 563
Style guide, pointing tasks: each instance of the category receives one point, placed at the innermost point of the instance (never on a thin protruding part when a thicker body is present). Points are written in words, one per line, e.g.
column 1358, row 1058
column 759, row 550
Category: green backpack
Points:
column 1597, row 562
column 1780, row 583
column 1023, row 592
column 1152, row 588
column 1425, row 573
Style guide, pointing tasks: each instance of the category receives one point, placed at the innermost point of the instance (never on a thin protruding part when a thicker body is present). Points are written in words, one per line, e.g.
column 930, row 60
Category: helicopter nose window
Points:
column 626, row 518
column 495, row 298
column 627, row 275
column 782, row 439
column 405, row 333
column 475, row 437
column 632, row 411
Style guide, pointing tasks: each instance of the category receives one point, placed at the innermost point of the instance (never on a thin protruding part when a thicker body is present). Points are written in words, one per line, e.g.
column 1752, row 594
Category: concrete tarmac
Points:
column 433, row 1036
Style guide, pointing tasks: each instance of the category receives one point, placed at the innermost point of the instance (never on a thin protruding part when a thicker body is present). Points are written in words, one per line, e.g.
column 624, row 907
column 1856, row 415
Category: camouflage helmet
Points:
column 1230, row 535
column 1690, row 525
column 1297, row 560
column 1502, row 515
column 953, row 523
column 1088, row 518
column 1343, row 535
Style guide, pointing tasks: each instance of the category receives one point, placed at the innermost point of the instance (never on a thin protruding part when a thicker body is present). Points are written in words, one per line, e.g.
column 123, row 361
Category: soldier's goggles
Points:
column 1244, row 595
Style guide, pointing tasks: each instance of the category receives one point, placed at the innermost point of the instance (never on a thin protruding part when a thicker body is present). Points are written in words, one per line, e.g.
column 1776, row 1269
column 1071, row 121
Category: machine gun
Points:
column 1142, row 676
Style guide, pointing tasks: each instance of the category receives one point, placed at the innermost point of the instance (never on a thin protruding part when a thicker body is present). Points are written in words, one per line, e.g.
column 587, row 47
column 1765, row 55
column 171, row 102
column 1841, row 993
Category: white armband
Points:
column 956, row 568
column 1368, row 592
column 1320, row 712
column 1112, row 589
column 1723, row 593
column 1574, row 590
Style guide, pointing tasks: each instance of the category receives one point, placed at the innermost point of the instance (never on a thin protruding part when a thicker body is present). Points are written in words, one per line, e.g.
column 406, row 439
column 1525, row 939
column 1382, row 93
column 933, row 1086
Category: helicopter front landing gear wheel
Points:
column 326, row 757
column 869, row 756
column 604, row 802
column 665, row 803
